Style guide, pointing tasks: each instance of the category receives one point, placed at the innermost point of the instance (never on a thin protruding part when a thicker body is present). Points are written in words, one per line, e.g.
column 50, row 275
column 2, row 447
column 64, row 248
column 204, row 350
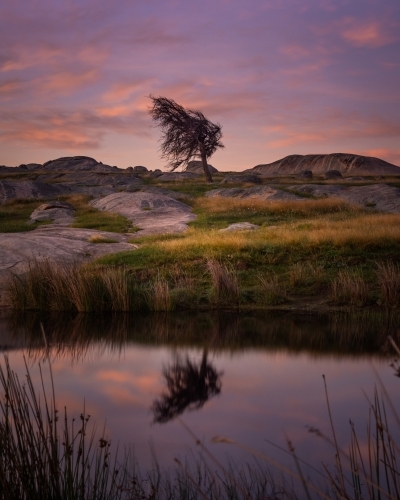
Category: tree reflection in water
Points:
column 188, row 386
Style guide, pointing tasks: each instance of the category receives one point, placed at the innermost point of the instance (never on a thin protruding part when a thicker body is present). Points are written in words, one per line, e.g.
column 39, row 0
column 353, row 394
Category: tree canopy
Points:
column 186, row 133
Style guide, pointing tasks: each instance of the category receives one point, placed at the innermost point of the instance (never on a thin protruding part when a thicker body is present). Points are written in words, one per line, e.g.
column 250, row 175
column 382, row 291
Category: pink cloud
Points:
column 78, row 129
column 371, row 34
column 388, row 154
column 9, row 88
column 122, row 91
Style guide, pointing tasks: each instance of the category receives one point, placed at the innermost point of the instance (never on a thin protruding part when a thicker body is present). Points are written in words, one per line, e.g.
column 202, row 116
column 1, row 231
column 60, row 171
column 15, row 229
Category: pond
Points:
column 157, row 382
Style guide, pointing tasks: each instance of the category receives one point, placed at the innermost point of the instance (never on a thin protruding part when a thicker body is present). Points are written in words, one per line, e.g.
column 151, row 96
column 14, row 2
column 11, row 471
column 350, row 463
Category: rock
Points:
column 78, row 163
column 333, row 174
column 156, row 173
column 240, row 226
column 59, row 244
column 196, row 166
column 153, row 213
column 139, row 169
column 56, row 204
column 177, row 176
column 255, row 179
column 176, row 195
column 346, row 164
column 129, row 169
column 378, row 196
column 60, row 212
column 34, row 166
column 305, row 174
column 22, row 166
column 261, row 192
column 10, row 190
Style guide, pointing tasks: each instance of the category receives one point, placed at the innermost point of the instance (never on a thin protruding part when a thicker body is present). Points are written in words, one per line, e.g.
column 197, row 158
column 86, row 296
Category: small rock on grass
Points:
column 240, row 226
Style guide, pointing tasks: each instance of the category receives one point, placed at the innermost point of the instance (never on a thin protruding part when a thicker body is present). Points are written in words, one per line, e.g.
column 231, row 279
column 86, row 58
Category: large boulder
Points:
column 152, row 212
column 333, row 174
column 80, row 163
column 196, row 166
column 139, row 169
column 58, row 211
column 346, row 164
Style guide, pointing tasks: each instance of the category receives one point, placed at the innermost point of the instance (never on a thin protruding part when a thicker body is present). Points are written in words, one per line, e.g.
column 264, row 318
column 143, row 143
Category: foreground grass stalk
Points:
column 224, row 281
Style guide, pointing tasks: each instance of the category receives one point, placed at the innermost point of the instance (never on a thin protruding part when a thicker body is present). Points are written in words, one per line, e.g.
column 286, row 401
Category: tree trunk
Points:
column 204, row 161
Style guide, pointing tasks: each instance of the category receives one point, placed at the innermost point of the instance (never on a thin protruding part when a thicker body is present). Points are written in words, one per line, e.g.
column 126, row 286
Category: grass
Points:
column 302, row 254
column 217, row 212
column 14, row 216
column 98, row 238
column 88, row 217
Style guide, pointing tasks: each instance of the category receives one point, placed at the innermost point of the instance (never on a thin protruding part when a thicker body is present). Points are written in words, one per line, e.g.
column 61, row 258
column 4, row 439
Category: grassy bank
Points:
column 316, row 252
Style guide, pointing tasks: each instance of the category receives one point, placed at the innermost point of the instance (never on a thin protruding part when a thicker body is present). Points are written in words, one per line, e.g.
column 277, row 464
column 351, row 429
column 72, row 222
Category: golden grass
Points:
column 99, row 238
column 373, row 229
column 326, row 205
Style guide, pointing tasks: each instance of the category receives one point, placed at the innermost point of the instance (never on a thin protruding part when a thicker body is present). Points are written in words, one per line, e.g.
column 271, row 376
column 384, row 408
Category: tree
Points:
column 188, row 387
column 186, row 134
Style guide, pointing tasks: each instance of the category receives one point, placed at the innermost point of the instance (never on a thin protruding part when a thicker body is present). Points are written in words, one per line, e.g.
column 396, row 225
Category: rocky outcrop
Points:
column 346, row 164
column 261, row 192
column 10, row 190
column 153, row 213
column 58, row 211
column 378, row 196
column 177, row 176
column 196, row 166
column 78, row 163
column 235, row 178
column 139, row 169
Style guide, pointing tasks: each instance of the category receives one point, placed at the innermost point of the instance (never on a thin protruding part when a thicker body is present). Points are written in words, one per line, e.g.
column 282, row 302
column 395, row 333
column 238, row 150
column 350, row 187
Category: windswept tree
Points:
column 187, row 134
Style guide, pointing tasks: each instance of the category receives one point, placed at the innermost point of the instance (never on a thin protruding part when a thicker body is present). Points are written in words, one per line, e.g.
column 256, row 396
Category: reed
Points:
column 349, row 288
column 273, row 291
column 225, row 285
column 45, row 454
column 388, row 277
column 159, row 295
column 70, row 287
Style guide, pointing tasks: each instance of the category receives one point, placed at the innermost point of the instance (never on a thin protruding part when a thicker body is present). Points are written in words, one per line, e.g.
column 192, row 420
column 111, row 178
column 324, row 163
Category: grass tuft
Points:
column 388, row 276
column 349, row 288
column 225, row 285
column 160, row 296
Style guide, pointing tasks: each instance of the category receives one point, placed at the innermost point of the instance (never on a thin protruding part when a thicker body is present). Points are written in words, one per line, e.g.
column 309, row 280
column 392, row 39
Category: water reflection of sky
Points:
column 265, row 396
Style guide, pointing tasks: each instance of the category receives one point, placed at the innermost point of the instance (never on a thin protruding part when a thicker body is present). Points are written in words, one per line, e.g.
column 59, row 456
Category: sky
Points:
column 281, row 77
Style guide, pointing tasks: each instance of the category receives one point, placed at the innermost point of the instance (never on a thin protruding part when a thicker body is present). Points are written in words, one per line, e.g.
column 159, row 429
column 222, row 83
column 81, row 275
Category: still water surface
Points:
column 254, row 378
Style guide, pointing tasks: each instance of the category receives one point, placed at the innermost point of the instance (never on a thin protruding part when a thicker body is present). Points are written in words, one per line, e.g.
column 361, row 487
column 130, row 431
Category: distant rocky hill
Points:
column 346, row 164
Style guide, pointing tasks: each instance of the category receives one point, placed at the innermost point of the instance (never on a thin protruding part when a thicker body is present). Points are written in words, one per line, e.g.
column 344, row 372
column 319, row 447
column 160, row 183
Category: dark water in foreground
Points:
column 253, row 378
